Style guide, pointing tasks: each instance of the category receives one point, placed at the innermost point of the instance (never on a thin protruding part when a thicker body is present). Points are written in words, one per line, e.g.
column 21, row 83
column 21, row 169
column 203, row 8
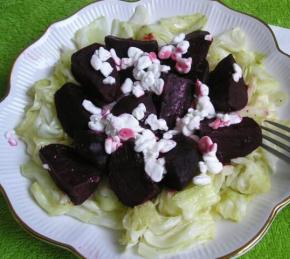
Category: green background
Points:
column 22, row 22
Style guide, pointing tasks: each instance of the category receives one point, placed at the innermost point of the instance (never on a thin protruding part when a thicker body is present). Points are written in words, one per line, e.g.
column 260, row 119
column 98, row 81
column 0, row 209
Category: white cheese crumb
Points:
column 155, row 169
column 109, row 80
column 169, row 134
column 202, row 180
column 177, row 39
column 106, row 69
column 104, row 54
column 183, row 46
column 46, row 166
column 138, row 90
column 96, row 62
column 135, row 53
column 91, row 108
column 144, row 62
column 208, row 37
column 139, row 111
column 156, row 124
column 238, row 74
column 127, row 86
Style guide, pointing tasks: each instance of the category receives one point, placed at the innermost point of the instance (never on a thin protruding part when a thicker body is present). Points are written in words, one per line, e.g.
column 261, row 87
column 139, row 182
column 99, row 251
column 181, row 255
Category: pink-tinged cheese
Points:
column 126, row 134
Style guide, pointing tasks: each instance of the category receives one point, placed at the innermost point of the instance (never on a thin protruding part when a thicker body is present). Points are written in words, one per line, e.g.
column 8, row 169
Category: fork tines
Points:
column 283, row 137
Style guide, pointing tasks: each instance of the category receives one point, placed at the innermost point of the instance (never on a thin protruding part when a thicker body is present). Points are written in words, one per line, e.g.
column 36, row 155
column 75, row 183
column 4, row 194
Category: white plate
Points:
column 90, row 241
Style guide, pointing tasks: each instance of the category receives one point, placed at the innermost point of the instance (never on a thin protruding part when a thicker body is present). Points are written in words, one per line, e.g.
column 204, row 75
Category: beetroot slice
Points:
column 121, row 45
column 226, row 94
column 72, row 174
column 126, row 73
column 177, row 97
column 198, row 51
column 91, row 79
column 202, row 72
column 181, row 163
column 127, row 177
column 128, row 103
column 199, row 46
column 90, row 145
column 237, row 140
column 70, row 112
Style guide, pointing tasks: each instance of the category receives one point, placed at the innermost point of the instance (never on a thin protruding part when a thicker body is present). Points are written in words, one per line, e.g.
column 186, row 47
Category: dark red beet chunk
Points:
column 202, row 72
column 121, row 45
column 126, row 73
column 73, row 175
column 199, row 46
column 181, row 163
column 91, row 79
column 90, row 145
column 198, row 51
column 176, row 98
column 237, row 140
column 69, row 108
column 127, row 177
column 128, row 103
column 226, row 94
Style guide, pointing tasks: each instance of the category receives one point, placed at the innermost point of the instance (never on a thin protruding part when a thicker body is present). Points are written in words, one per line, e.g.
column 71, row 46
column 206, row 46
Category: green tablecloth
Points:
column 22, row 22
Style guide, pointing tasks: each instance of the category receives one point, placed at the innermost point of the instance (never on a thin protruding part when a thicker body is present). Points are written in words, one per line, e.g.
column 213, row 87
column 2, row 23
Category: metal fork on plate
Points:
column 282, row 136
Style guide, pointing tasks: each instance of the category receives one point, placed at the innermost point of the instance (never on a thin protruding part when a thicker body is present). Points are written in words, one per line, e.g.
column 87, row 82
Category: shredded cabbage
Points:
column 128, row 29
column 233, row 205
column 122, row 29
column 155, row 233
column 189, row 203
column 40, row 126
column 174, row 221
column 164, row 30
column 95, row 32
column 252, row 174
column 184, row 24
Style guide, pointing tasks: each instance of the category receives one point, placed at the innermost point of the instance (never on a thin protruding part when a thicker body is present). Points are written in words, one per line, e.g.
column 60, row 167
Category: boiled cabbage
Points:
column 184, row 24
column 128, row 29
column 40, row 126
column 233, row 205
column 95, row 32
column 189, row 202
column 164, row 30
column 252, row 174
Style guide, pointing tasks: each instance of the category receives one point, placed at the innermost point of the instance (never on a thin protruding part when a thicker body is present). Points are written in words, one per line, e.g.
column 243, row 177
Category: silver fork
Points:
column 276, row 142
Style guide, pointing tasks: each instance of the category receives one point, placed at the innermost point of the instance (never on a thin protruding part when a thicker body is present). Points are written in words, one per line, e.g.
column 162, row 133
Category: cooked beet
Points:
column 128, row 103
column 202, row 72
column 127, row 177
column 176, row 98
column 126, row 73
column 69, row 108
column 237, row 140
column 70, row 172
column 121, row 45
column 90, row 145
column 181, row 163
column 199, row 46
column 91, row 79
column 226, row 94
column 198, row 50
